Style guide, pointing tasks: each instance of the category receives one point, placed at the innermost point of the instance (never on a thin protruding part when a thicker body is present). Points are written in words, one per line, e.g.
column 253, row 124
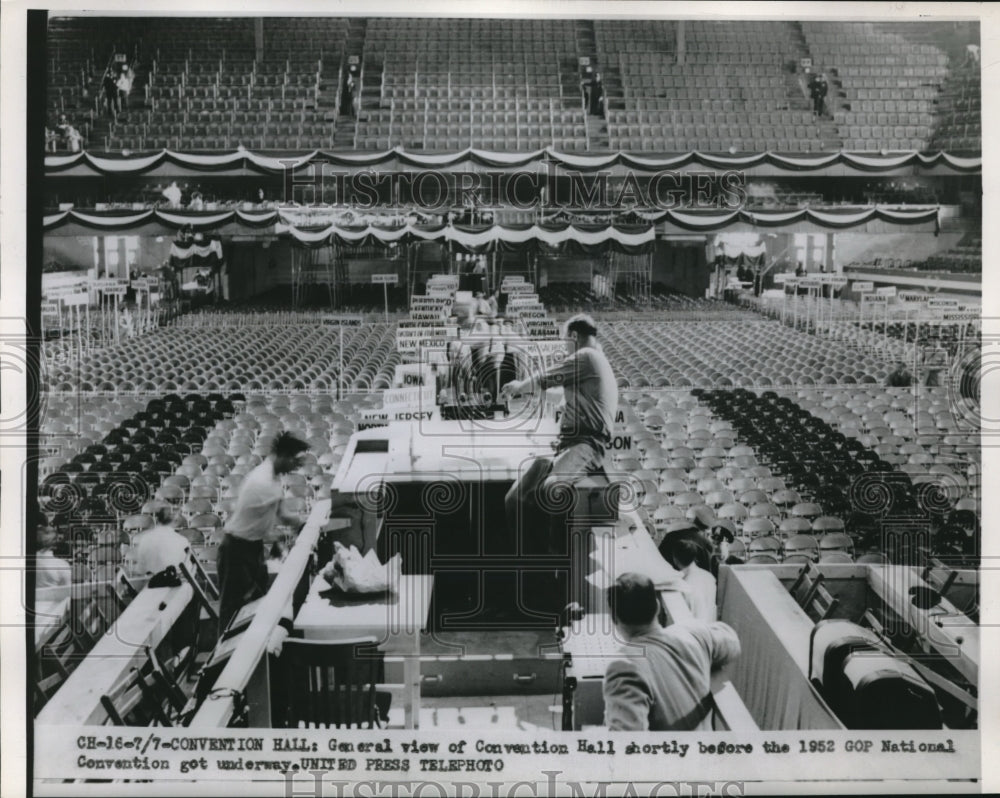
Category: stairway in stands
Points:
column 586, row 47
column 798, row 91
column 370, row 82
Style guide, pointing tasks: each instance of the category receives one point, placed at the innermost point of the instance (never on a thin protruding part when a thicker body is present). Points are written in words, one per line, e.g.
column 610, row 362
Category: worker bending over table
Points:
column 241, row 562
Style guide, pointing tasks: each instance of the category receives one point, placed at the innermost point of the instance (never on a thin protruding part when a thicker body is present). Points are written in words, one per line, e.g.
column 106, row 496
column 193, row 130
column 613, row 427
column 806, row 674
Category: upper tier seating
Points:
column 507, row 84
column 732, row 91
column 890, row 85
column 454, row 83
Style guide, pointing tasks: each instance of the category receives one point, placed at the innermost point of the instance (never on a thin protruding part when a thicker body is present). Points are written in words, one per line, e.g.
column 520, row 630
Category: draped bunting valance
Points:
column 540, row 160
column 195, row 253
column 321, row 230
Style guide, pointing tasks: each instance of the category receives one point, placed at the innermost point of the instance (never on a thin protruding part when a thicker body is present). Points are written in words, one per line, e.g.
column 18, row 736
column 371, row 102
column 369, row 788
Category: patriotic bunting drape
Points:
column 477, row 238
column 397, row 158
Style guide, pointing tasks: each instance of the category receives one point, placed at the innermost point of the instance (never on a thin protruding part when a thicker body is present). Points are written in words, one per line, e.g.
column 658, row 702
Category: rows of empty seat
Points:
column 508, row 84
column 714, row 355
column 960, row 111
column 69, row 425
column 573, row 297
column 889, row 84
column 448, row 84
column 789, row 496
column 459, row 122
column 203, row 487
column 250, row 359
column 705, row 102
column 215, row 95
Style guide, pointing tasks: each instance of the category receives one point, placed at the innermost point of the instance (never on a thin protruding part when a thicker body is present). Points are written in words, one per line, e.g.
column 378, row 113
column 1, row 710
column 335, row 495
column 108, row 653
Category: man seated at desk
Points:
column 160, row 546
column 663, row 683
column 682, row 550
column 590, row 401
column 50, row 570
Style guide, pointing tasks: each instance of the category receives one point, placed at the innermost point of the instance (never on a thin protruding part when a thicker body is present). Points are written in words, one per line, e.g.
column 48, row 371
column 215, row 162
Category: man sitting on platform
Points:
column 590, row 401
column 665, row 684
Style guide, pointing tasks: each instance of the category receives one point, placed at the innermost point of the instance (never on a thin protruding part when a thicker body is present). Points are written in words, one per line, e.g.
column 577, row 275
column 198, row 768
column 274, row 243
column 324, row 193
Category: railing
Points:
column 249, row 660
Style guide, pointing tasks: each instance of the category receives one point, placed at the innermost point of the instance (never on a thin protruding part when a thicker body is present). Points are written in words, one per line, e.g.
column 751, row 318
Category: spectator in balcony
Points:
column 597, row 96
column 63, row 126
column 799, row 269
column 110, row 89
column 347, row 96
column 51, row 140
column 74, row 139
column 123, row 84
column 172, row 193
column 818, row 88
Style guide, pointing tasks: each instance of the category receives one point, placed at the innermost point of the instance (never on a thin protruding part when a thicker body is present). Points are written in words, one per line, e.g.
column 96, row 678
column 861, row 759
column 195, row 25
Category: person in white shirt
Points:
column 241, row 561
column 681, row 550
column 124, row 86
column 662, row 679
column 50, row 570
column 160, row 547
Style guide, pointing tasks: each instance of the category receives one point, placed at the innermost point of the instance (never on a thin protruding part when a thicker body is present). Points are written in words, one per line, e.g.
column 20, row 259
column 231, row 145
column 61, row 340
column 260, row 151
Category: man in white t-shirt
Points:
column 241, row 563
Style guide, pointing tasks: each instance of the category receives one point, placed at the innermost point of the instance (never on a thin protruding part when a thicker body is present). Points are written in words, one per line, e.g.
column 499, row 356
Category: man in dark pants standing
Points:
column 241, row 564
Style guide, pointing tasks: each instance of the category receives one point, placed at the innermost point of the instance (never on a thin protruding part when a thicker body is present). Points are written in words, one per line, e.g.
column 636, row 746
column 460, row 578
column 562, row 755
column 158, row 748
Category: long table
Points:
column 394, row 619
column 144, row 622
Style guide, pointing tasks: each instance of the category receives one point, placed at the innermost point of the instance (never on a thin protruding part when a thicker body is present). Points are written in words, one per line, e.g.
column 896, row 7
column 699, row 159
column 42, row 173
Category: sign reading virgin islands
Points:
column 547, row 515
